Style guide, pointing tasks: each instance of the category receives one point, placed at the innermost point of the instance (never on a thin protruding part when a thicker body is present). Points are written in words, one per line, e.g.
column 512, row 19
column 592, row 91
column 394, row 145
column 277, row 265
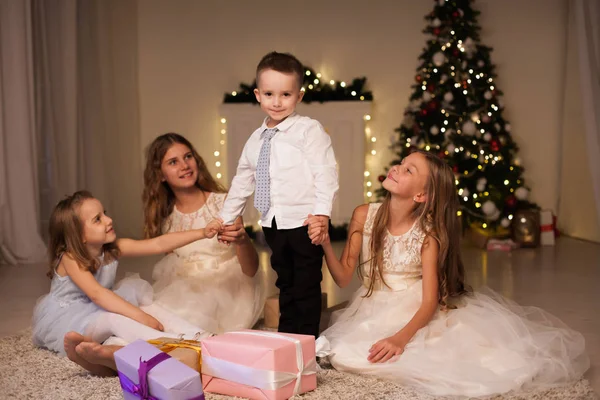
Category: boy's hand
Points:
column 318, row 229
column 212, row 228
column 234, row 233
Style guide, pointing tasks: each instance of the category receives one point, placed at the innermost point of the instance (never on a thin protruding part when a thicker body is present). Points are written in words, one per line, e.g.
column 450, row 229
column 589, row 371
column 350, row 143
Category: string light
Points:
column 217, row 153
column 370, row 142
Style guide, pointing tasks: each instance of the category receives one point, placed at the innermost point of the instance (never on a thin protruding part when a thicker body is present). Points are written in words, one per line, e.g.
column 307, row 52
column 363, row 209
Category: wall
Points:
column 191, row 52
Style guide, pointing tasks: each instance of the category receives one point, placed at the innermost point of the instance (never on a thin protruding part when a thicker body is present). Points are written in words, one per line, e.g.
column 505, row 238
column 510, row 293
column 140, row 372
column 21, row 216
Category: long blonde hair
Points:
column 437, row 218
column 158, row 197
column 66, row 235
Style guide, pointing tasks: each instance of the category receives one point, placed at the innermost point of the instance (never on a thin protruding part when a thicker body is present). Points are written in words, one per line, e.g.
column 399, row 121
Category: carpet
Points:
column 30, row 373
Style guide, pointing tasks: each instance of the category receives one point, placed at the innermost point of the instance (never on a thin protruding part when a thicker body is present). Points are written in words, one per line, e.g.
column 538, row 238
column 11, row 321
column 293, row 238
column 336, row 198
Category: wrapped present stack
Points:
column 548, row 231
column 145, row 372
column 259, row 365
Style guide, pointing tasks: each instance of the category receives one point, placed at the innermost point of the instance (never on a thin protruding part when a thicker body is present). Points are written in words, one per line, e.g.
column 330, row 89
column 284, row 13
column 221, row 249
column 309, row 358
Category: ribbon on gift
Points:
column 141, row 390
column 167, row 345
column 260, row 378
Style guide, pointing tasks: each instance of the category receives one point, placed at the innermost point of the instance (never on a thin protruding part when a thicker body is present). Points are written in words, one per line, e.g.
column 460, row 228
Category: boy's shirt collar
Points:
column 282, row 126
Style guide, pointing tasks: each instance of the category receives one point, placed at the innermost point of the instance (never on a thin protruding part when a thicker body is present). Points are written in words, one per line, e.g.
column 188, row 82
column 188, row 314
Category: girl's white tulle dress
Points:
column 203, row 282
column 487, row 345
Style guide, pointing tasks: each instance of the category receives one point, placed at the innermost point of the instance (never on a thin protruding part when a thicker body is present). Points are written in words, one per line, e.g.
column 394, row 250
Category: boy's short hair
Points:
column 281, row 62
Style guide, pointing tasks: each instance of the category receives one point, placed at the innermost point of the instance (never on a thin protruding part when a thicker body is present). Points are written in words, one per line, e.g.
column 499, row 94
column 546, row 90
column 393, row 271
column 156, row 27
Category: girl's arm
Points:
column 103, row 297
column 245, row 251
column 167, row 242
column 342, row 270
column 394, row 345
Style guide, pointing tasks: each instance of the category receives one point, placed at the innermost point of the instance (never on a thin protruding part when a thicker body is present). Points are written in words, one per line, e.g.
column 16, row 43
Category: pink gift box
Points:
column 259, row 365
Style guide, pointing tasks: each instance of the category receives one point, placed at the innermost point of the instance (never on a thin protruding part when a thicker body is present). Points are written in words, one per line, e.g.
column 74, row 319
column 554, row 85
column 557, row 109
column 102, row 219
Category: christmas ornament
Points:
column 507, row 127
column 488, row 95
column 481, row 182
column 418, row 78
column 436, row 32
column 442, row 155
column 465, row 192
column 436, row 22
column 431, row 87
column 426, row 96
column 441, row 2
column 433, row 105
column 424, row 112
column 502, row 139
column 480, row 63
column 455, row 14
column 494, row 145
column 455, row 169
column 450, row 148
column 505, row 222
column 448, row 96
column 434, row 130
column 487, row 136
column 444, row 78
column 522, row 193
column 489, row 208
column 469, row 128
column 517, row 161
column 497, row 127
column 439, row 59
column 455, row 52
column 511, row 201
column 486, row 119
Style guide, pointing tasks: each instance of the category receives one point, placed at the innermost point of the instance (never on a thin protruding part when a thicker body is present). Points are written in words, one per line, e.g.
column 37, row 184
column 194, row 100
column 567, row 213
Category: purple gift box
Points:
column 146, row 372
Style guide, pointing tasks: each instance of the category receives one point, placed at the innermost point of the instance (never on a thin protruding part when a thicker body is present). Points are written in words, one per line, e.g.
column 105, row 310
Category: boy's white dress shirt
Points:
column 303, row 171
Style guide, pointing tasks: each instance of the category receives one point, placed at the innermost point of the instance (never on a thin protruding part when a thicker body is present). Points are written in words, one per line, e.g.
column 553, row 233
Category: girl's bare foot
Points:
column 74, row 339
column 98, row 354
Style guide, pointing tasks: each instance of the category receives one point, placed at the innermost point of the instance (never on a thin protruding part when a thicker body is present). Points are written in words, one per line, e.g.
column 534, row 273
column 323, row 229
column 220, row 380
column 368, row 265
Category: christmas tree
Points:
column 456, row 111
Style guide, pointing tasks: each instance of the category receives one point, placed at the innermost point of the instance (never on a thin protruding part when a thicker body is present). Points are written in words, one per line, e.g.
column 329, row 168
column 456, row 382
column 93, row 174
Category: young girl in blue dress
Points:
column 84, row 253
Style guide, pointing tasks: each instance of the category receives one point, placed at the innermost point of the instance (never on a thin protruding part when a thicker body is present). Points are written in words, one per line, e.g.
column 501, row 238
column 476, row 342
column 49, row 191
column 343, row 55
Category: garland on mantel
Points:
column 315, row 88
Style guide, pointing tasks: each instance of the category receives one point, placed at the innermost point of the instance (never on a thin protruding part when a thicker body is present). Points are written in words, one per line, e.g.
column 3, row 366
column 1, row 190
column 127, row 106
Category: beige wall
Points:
column 191, row 52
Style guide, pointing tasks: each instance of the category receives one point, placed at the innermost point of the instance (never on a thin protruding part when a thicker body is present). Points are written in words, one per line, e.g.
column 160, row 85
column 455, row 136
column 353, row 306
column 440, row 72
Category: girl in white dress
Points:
column 211, row 283
column 414, row 321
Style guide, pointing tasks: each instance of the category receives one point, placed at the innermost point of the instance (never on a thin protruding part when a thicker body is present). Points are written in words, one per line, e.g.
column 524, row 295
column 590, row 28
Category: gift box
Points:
column 547, row 228
column 259, row 365
column 271, row 310
column 145, row 372
column 501, row 245
column 186, row 351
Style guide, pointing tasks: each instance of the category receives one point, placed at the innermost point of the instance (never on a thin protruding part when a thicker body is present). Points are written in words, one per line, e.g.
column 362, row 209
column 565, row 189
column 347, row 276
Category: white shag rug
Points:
column 30, row 373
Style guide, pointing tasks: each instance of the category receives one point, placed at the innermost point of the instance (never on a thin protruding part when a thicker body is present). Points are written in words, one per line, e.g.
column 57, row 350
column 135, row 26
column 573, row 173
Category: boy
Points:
column 289, row 165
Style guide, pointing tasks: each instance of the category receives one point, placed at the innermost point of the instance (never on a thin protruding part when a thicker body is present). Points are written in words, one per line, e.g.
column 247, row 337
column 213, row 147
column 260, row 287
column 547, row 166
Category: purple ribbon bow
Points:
column 141, row 390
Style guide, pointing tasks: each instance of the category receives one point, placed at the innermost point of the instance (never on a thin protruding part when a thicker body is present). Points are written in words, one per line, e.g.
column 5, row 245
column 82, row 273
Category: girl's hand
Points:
column 235, row 233
column 152, row 322
column 387, row 348
column 212, row 228
column 318, row 229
